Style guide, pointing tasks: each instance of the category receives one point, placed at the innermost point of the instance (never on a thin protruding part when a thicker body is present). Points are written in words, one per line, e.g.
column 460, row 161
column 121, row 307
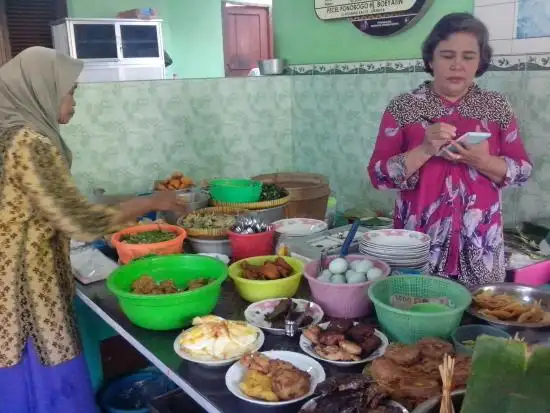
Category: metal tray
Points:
column 523, row 293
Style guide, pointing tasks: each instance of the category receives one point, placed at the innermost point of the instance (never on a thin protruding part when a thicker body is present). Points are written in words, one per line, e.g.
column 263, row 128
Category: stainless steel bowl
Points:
column 432, row 405
column 524, row 293
column 271, row 67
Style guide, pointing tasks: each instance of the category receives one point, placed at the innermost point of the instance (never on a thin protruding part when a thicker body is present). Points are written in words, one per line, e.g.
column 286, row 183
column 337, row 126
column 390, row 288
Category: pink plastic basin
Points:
column 342, row 300
column 533, row 275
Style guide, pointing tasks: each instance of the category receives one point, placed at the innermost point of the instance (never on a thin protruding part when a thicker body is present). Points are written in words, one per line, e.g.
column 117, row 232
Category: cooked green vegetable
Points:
column 272, row 192
column 469, row 343
column 149, row 237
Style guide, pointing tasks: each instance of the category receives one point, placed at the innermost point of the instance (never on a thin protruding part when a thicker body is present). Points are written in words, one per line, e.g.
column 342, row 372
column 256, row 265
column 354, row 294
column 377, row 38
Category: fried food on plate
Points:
column 265, row 377
column 218, row 339
column 258, row 386
column 504, row 307
column 270, row 270
column 343, row 341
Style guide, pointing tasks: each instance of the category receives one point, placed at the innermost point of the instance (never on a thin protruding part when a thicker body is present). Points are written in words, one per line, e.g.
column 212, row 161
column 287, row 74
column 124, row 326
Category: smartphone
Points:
column 469, row 138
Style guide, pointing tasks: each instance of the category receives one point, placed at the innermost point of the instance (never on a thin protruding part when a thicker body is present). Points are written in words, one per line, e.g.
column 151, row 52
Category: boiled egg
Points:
column 362, row 266
column 354, row 277
column 325, row 276
column 338, row 279
column 374, row 274
column 338, row 266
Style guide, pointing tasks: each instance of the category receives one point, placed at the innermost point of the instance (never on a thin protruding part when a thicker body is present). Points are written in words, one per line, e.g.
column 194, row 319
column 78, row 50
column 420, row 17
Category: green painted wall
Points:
column 301, row 38
column 192, row 30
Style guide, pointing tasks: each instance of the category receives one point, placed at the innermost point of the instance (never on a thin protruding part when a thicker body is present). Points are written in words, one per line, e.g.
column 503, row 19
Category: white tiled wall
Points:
column 516, row 26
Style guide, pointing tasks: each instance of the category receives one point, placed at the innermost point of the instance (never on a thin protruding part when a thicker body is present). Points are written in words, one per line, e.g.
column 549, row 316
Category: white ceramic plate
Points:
column 395, row 250
column 299, row 227
column 211, row 362
column 236, row 373
column 404, row 256
column 310, row 405
column 396, row 238
column 255, row 313
column 307, row 347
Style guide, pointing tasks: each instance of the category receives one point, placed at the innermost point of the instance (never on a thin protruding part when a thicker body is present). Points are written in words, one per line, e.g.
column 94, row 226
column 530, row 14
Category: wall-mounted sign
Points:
column 374, row 17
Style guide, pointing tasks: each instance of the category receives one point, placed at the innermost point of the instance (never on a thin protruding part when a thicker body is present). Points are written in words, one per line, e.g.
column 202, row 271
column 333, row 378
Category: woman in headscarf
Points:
column 454, row 196
column 41, row 366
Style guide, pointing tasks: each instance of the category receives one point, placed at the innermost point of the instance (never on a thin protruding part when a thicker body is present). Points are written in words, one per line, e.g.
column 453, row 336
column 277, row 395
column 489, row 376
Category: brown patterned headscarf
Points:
column 32, row 86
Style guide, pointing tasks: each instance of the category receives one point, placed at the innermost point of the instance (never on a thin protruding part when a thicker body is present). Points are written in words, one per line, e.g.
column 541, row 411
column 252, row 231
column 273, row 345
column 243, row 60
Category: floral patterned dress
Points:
column 453, row 203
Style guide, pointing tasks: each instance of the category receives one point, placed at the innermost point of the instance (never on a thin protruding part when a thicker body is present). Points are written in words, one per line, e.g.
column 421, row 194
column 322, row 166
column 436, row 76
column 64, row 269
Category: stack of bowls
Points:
column 399, row 248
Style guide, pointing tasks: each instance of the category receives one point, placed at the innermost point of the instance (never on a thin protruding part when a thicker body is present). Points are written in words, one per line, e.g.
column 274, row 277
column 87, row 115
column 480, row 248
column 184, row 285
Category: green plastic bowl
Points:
column 409, row 326
column 235, row 191
column 170, row 311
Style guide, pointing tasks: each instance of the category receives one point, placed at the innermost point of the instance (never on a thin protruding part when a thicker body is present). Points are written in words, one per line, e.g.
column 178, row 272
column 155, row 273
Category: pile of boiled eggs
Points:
column 341, row 271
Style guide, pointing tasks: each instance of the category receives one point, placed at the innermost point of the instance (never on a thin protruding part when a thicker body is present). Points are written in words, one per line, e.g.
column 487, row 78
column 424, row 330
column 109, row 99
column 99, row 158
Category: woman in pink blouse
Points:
column 455, row 198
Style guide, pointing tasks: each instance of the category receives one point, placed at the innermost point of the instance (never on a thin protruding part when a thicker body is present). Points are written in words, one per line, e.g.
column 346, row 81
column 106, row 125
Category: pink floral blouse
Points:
column 453, row 203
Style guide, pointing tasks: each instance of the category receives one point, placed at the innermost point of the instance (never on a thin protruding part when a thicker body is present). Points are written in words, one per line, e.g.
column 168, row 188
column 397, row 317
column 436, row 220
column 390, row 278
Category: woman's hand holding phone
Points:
column 437, row 136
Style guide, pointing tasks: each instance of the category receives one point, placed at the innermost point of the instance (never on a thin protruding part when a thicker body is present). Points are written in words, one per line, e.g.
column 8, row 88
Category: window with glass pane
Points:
column 95, row 41
column 139, row 41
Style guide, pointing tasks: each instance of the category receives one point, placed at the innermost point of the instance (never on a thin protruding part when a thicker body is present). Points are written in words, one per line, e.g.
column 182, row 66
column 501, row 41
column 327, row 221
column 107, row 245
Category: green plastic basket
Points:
column 407, row 326
column 170, row 311
column 235, row 191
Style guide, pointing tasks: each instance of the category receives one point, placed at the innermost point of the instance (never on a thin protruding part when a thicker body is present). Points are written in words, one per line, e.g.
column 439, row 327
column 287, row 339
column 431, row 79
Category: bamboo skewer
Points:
column 446, row 371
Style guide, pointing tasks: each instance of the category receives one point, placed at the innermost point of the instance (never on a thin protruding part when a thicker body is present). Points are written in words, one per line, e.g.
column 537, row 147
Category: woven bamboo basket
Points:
column 211, row 233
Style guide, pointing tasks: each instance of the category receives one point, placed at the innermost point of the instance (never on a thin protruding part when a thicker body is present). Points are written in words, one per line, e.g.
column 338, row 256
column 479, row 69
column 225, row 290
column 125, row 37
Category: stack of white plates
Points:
column 399, row 248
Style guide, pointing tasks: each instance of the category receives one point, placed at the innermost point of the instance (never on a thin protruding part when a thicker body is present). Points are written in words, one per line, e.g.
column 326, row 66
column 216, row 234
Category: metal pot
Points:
column 432, row 405
column 271, row 67
column 270, row 215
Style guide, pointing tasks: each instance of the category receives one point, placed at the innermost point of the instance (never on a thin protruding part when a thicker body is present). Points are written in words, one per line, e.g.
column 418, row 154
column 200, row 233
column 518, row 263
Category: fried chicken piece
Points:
column 402, row 354
column 339, row 326
column 254, row 268
column 331, row 338
column 196, row 284
column 279, row 365
column 335, row 353
column 386, row 372
column 144, row 285
column 350, row 347
column 289, row 384
column 360, row 332
column 417, row 388
column 270, row 271
column 461, row 373
column 168, row 287
column 434, row 348
column 427, row 368
column 370, row 345
column 250, row 275
column 313, row 334
column 284, row 267
column 256, row 361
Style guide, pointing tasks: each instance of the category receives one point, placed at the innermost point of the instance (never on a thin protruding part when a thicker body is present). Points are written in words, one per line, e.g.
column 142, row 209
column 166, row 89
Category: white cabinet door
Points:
column 95, row 41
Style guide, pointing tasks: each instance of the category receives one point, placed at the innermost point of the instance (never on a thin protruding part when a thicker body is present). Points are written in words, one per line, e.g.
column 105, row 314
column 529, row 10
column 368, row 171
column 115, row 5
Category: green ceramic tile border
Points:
column 500, row 63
